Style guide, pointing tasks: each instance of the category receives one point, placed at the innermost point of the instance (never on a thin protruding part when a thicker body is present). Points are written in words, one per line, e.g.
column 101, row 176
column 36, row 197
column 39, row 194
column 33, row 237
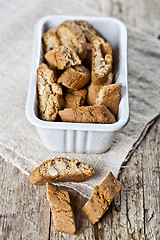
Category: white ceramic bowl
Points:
column 80, row 137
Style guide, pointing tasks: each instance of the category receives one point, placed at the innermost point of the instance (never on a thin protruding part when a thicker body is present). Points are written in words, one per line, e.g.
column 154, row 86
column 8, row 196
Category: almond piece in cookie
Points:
column 87, row 114
column 101, row 60
column 50, row 94
column 50, row 40
column 101, row 198
column 62, row 57
column 110, row 97
column 72, row 36
column 59, row 200
column 61, row 170
column 93, row 89
column 75, row 77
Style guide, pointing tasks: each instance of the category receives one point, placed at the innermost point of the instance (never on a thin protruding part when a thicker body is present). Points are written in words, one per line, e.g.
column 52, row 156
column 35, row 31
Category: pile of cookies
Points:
column 75, row 84
column 65, row 170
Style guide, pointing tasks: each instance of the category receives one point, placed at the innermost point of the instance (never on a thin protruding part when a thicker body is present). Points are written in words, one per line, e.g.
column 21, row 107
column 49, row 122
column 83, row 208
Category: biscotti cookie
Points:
column 72, row 101
column 75, row 98
column 75, row 77
column 96, row 206
column 81, row 92
column 110, row 187
column 61, row 209
column 101, row 60
column 50, row 40
column 87, row 29
column 101, row 198
column 62, row 57
column 61, row 170
column 72, row 36
column 110, row 97
column 49, row 94
column 87, row 114
column 93, row 89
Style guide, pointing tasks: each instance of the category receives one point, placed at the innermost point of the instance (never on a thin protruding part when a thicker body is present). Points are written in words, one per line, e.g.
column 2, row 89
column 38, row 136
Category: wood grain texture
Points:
column 23, row 206
column 134, row 214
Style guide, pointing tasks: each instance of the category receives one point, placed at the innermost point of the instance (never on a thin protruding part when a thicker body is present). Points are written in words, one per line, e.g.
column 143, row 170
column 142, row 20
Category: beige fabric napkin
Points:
column 19, row 140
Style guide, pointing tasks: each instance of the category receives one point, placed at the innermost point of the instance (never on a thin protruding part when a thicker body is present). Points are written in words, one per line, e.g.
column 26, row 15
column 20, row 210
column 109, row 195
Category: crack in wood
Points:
column 50, row 222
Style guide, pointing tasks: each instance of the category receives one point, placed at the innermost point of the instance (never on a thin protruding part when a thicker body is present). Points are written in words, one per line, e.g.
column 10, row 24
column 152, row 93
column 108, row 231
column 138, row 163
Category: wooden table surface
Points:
column 134, row 214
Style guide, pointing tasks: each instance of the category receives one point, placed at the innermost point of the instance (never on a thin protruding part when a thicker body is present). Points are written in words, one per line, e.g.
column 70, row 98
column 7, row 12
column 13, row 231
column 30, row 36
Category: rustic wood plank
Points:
column 24, row 209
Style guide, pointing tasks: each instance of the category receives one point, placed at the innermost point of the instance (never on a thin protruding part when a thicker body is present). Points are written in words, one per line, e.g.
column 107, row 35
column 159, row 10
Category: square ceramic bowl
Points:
column 80, row 137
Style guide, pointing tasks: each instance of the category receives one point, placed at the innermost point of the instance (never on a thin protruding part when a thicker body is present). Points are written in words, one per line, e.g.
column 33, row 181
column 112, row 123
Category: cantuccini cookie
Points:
column 75, row 98
column 101, row 198
column 110, row 187
column 59, row 200
column 50, row 94
column 101, row 60
column 72, row 36
column 50, row 40
column 62, row 57
column 94, row 89
column 87, row 29
column 72, row 101
column 61, row 170
column 75, row 77
column 87, row 114
column 110, row 97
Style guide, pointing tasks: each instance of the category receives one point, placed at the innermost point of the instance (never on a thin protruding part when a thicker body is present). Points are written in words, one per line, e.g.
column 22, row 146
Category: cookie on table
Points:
column 50, row 94
column 110, row 96
column 94, row 89
column 110, row 187
column 61, row 170
column 101, row 198
column 59, row 200
column 87, row 114
column 50, row 40
column 101, row 60
column 72, row 36
column 62, row 57
column 75, row 77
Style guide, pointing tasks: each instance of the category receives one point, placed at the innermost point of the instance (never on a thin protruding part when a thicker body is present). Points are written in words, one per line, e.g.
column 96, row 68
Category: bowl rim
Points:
column 30, row 113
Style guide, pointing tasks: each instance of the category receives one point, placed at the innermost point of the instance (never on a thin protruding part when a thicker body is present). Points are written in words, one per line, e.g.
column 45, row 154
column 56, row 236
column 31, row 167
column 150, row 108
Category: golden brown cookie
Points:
column 50, row 94
column 87, row 114
column 62, row 57
column 110, row 97
column 110, row 187
column 73, row 101
column 50, row 40
column 101, row 198
column 87, row 29
column 94, row 89
column 61, row 170
column 75, row 77
column 59, row 200
column 101, row 60
column 72, row 36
